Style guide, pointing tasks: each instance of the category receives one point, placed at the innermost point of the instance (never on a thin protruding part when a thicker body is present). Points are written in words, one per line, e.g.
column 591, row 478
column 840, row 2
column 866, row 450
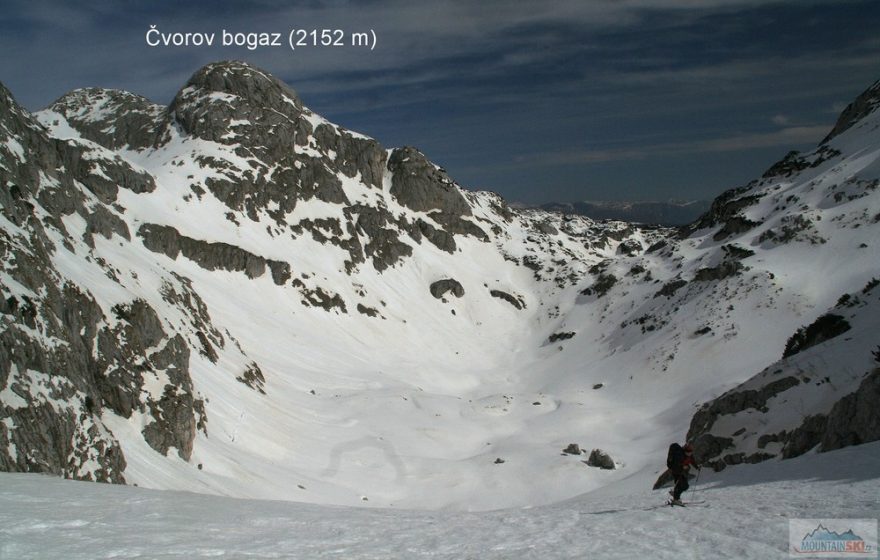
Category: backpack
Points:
column 675, row 457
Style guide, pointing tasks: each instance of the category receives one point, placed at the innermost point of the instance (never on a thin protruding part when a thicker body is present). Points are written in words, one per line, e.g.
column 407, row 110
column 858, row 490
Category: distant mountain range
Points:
column 670, row 213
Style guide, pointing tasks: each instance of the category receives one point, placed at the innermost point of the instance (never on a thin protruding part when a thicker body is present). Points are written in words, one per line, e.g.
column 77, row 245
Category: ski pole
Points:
column 696, row 481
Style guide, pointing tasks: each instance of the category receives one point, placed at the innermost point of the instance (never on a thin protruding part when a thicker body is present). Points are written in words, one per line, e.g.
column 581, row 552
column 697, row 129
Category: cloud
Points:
column 426, row 51
column 781, row 120
column 795, row 135
column 786, row 137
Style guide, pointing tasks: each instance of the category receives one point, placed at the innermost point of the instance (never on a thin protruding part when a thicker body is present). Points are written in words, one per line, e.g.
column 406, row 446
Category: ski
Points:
column 686, row 504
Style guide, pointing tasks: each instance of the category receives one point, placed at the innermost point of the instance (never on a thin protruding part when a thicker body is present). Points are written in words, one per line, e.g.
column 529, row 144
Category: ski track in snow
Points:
column 746, row 516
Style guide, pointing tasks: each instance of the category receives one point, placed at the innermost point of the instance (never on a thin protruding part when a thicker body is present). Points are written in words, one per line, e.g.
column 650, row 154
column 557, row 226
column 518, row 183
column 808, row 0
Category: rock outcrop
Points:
column 448, row 285
column 63, row 360
column 864, row 105
column 601, row 460
column 211, row 256
column 833, row 404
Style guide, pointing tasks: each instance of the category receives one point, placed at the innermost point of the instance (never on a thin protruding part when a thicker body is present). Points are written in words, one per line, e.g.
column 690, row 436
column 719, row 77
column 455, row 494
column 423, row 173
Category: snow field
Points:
column 745, row 515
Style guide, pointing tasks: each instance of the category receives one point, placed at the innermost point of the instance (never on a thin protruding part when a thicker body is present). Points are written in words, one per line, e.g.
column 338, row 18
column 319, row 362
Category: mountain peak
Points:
column 90, row 98
column 240, row 79
column 223, row 94
column 111, row 117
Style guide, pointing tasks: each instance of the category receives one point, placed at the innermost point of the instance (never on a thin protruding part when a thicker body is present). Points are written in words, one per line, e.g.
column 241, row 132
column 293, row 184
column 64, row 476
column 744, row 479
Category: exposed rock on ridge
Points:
column 55, row 387
column 212, row 256
column 864, row 104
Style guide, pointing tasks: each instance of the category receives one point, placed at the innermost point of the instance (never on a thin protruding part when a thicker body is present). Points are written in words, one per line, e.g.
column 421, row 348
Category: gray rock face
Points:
column 226, row 99
column 138, row 330
column 604, row 282
column 53, row 422
column 455, row 224
column 354, row 155
column 669, row 288
column 384, row 246
column 105, row 223
column 547, row 228
column 789, row 165
column 113, row 118
column 263, row 120
column 326, row 300
column 227, row 102
column 211, row 256
column 735, row 226
column 441, row 287
column 724, row 270
column 736, row 401
column 368, row 311
column 180, row 294
column 128, row 355
column 555, row 337
column 831, row 421
column 174, row 424
column 864, row 105
column 707, row 446
column 804, row 437
column 600, row 459
column 421, row 186
column 824, row 328
column 253, row 378
column 290, row 159
column 440, row 238
column 103, row 173
column 793, row 228
column 66, row 362
column 855, row 419
column 517, row 302
column 572, row 449
column 726, row 208
column 629, row 248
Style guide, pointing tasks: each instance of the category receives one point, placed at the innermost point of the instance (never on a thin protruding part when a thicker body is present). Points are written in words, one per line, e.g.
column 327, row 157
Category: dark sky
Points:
column 553, row 100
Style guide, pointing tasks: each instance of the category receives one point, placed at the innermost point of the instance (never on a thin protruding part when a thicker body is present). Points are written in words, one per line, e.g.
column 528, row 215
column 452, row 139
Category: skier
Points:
column 679, row 460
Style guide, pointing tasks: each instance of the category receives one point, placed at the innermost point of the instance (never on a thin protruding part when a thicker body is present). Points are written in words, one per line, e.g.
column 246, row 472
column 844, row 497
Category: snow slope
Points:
column 745, row 515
